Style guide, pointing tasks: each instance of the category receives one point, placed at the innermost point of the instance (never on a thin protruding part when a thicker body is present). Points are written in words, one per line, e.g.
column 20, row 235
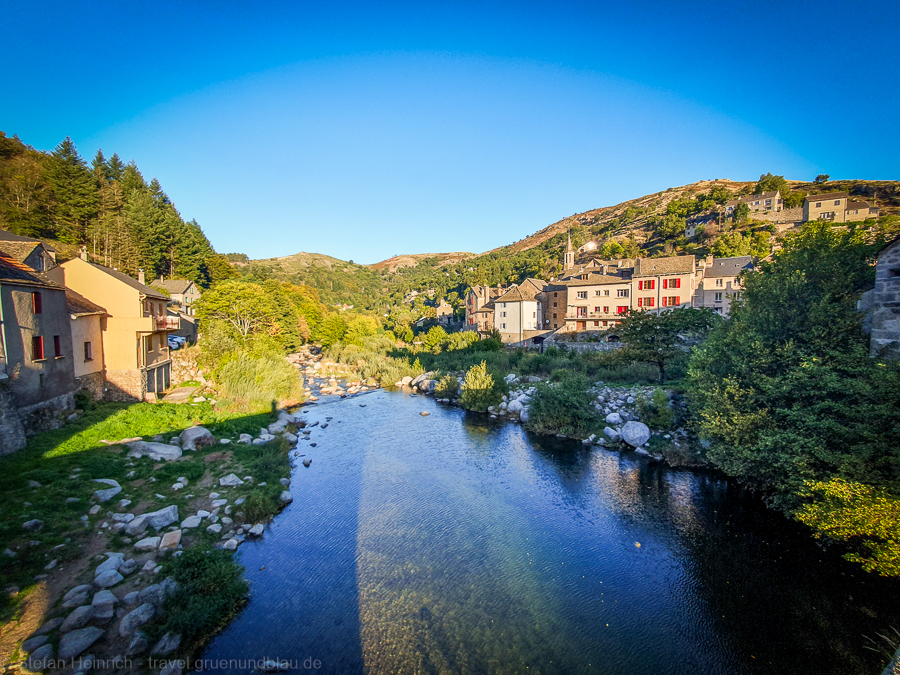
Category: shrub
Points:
column 479, row 390
column 260, row 504
column 447, row 387
column 565, row 407
column 255, row 384
column 210, row 591
column 656, row 411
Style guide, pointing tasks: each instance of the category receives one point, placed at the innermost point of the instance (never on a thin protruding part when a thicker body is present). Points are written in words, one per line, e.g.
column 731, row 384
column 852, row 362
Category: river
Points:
column 449, row 543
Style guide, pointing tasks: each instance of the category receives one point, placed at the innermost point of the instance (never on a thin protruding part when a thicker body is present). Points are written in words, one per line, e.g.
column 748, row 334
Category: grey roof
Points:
column 858, row 205
column 78, row 305
column 729, row 267
column 826, row 196
column 13, row 271
column 178, row 286
column 125, row 279
column 597, row 280
column 9, row 236
column 651, row 267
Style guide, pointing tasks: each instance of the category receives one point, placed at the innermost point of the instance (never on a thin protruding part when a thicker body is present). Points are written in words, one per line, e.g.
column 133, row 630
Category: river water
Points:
column 453, row 544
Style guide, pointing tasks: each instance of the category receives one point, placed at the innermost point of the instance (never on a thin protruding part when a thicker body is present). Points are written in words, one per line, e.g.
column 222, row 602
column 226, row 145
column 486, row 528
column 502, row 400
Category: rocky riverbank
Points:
column 621, row 409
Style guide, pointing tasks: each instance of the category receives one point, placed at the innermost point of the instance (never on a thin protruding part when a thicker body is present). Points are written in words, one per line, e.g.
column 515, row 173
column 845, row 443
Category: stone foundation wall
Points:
column 12, row 433
column 885, row 304
column 94, row 384
column 46, row 415
column 184, row 366
column 126, row 386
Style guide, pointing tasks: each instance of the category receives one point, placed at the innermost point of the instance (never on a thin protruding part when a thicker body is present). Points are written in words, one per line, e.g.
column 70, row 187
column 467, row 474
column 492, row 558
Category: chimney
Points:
column 84, row 254
column 140, row 276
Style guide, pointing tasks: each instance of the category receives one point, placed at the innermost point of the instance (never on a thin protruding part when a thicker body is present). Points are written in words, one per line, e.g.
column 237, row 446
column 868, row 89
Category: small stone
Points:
column 72, row 500
column 286, row 497
column 33, row 525
column 108, row 579
column 167, row 644
column 40, row 659
column 257, row 530
column 170, row 540
column 128, row 567
column 190, row 522
column 131, row 599
column 104, row 606
column 77, row 619
column 238, row 502
column 214, row 495
column 138, row 644
column 33, row 484
column 231, row 480
column 135, row 619
column 94, row 510
column 33, row 643
column 148, row 544
column 202, row 513
column 231, row 544
column 218, row 503
column 215, row 528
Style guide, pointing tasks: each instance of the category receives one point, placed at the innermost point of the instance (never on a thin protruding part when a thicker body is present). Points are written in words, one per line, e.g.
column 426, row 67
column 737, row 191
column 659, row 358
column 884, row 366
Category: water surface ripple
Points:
column 450, row 544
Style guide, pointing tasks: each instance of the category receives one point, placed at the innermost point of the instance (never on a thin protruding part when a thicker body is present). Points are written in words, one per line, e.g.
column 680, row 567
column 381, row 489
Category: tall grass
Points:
column 255, row 384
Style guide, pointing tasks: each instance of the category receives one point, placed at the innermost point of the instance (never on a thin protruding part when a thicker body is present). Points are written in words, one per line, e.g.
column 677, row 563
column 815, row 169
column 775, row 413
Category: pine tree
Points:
column 74, row 193
column 115, row 168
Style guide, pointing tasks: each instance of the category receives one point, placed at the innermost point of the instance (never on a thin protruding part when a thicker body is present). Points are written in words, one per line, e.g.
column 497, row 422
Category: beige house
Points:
column 720, row 284
column 829, row 206
column 598, row 302
column 87, row 322
column 135, row 345
column 478, row 315
column 661, row 283
column 35, row 353
column 766, row 202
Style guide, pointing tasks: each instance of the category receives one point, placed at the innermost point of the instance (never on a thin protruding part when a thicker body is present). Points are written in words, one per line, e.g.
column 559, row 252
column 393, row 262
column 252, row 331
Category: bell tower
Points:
column 569, row 258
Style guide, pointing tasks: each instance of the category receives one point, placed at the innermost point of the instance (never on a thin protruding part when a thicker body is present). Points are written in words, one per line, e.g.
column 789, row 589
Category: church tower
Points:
column 569, row 259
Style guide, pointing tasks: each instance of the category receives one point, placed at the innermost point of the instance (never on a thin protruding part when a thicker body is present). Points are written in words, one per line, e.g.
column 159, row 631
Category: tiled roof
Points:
column 19, row 249
column 13, row 271
column 648, row 267
column 858, row 205
column 9, row 236
column 81, row 306
column 729, row 267
column 597, row 280
column 178, row 286
column 827, row 196
column 134, row 283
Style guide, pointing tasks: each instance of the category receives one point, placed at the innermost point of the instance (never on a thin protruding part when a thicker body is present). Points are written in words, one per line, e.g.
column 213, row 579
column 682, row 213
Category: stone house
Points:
column 766, row 202
column 597, row 303
column 135, row 346
column 720, row 284
column 444, row 313
column 882, row 304
column 183, row 293
column 32, row 252
column 36, row 360
column 477, row 298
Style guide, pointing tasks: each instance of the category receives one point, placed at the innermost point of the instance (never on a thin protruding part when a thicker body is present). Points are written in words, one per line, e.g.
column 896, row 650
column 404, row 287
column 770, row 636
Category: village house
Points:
column 518, row 312
column 32, row 252
column 837, row 207
column 135, row 345
column 766, row 202
column 87, row 322
column 183, row 292
column 479, row 307
column 598, row 302
column 36, row 361
column 444, row 313
column 720, row 283
column 661, row 283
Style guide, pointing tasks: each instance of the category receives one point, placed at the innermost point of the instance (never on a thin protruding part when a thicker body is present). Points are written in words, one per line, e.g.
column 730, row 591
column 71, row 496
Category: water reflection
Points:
column 450, row 544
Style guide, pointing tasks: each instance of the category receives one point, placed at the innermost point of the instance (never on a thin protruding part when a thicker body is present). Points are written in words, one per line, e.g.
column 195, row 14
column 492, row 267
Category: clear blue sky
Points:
column 362, row 130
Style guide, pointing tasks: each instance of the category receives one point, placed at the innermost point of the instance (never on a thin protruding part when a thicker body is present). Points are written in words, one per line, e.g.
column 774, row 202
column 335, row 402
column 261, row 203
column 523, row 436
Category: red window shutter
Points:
column 37, row 303
column 640, row 302
column 640, row 285
column 665, row 302
column 678, row 283
column 653, row 284
column 37, row 348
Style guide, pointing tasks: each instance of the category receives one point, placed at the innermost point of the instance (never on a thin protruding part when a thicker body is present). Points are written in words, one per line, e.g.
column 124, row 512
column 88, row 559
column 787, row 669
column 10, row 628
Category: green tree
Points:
column 663, row 337
column 331, row 330
column 434, row 339
column 244, row 308
column 821, row 178
column 785, row 389
column 741, row 213
column 770, row 183
column 479, row 391
column 74, row 193
column 359, row 328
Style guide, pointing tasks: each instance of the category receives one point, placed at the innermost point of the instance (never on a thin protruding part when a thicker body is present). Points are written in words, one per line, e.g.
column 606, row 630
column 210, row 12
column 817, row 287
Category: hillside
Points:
column 652, row 225
column 411, row 260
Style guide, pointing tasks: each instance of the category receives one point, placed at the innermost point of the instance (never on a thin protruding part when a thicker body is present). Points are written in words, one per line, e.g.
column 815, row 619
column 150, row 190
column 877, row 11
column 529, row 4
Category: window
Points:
column 622, row 293
column 621, row 310
column 647, row 285
column 671, row 283
column 719, row 283
column 503, row 304
column 554, row 316
column 57, row 346
column 37, row 348
column 41, row 380
column 718, row 297
column 597, row 294
column 671, row 301
column 596, row 323
column 606, row 310
column 581, row 312
column 554, row 295
column 596, row 310
column 502, row 325
column 837, row 202
column 581, row 295
column 554, row 304
column 645, row 302
column 503, row 314
column 606, row 292
column 534, row 315
column 88, row 354
column 149, row 343
column 818, row 205
column 37, row 304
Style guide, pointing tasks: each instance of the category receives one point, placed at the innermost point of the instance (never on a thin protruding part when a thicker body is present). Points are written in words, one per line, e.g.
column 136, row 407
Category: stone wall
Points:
column 12, row 433
column 93, row 383
column 184, row 366
column 46, row 415
column 126, row 386
column 884, row 304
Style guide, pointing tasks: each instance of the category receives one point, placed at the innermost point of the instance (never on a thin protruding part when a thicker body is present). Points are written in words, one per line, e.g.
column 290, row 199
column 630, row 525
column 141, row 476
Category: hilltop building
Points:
column 766, row 202
column 837, row 207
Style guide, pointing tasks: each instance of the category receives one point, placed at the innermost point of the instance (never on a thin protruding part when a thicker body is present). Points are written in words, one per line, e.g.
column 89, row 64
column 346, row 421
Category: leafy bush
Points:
column 656, row 411
column 564, row 407
column 447, row 387
column 255, row 384
column 260, row 504
column 211, row 590
column 479, row 390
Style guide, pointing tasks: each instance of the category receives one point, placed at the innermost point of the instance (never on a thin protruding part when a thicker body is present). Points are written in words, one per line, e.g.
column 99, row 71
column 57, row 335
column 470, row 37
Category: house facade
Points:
column 766, row 202
column 183, row 293
column 36, row 362
column 665, row 283
column 479, row 307
column 135, row 345
column 597, row 303
column 518, row 313
column 720, row 283
column 87, row 322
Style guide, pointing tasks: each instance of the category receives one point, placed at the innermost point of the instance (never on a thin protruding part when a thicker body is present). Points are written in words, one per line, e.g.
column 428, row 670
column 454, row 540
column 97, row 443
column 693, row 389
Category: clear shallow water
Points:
column 448, row 544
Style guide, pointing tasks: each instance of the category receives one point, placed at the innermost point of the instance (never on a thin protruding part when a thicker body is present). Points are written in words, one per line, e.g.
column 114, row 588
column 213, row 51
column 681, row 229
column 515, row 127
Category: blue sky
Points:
column 363, row 130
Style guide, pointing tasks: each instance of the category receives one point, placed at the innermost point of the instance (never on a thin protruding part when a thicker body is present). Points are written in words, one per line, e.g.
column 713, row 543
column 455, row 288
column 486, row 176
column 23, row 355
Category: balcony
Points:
column 167, row 322
column 593, row 315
